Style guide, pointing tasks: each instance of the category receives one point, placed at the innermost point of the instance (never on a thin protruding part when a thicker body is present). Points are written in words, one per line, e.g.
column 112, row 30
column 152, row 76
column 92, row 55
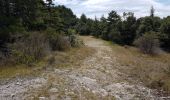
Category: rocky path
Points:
column 98, row 78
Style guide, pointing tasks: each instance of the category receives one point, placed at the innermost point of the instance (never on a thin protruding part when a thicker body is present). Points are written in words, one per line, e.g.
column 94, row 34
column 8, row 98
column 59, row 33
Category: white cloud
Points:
column 98, row 8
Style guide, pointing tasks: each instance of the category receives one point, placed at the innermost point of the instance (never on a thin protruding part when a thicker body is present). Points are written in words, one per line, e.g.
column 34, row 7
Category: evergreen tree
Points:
column 152, row 12
column 114, row 23
column 165, row 33
column 82, row 25
column 104, row 28
column 128, row 30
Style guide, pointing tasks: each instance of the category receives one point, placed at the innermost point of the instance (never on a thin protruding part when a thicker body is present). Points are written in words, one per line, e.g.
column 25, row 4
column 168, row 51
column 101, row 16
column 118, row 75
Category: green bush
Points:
column 114, row 36
column 71, row 31
column 75, row 41
column 148, row 43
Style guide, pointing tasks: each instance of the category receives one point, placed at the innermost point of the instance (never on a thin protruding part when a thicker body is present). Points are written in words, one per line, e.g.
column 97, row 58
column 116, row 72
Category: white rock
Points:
column 68, row 98
column 8, row 86
column 42, row 98
column 18, row 83
column 12, row 95
column 53, row 90
column 71, row 93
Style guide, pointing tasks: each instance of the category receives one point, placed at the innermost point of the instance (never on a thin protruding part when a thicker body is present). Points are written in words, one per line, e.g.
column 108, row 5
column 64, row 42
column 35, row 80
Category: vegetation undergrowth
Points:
column 152, row 70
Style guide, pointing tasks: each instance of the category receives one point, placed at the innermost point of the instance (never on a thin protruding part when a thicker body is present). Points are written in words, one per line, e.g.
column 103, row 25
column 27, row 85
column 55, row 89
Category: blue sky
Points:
column 164, row 1
column 98, row 8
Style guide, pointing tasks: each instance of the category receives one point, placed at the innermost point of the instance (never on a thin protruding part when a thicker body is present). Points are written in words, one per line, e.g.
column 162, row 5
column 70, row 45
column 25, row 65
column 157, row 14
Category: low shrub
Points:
column 148, row 43
column 51, row 60
column 30, row 48
column 115, row 36
column 2, row 59
column 75, row 41
column 57, row 41
column 61, row 43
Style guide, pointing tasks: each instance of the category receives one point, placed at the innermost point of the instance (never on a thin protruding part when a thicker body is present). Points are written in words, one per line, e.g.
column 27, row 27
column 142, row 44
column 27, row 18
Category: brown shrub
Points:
column 57, row 41
column 30, row 48
column 2, row 59
column 60, row 43
column 148, row 43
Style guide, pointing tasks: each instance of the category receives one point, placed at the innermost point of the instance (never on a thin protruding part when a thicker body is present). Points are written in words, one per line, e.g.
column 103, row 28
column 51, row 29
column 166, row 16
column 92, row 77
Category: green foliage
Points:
column 124, row 30
column 149, row 24
column 71, row 31
column 152, row 12
column 59, row 25
column 128, row 29
column 145, row 26
column 115, row 36
column 16, row 16
column 75, row 41
column 83, row 26
column 103, row 27
column 83, row 18
column 83, row 29
column 61, row 19
column 113, row 18
column 113, row 26
column 95, row 28
column 20, row 19
column 165, row 33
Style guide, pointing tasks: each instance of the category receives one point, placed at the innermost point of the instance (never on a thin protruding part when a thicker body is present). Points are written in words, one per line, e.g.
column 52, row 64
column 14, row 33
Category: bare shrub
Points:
column 5, row 55
column 2, row 58
column 51, row 60
column 57, row 41
column 30, row 48
column 148, row 43
column 60, row 43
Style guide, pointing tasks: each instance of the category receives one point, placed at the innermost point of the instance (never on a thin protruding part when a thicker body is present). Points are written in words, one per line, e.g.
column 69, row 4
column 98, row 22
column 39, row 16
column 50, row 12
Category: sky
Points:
column 98, row 8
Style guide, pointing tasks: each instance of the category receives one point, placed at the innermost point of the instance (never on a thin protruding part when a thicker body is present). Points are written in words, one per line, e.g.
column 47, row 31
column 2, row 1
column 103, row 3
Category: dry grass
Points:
column 65, row 59
column 8, row 71
column 153, row 71
column 20, row 70
column 71, row 58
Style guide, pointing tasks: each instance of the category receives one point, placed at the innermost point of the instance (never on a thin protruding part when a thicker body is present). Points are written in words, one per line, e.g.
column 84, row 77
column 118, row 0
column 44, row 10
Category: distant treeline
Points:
column 126, row 29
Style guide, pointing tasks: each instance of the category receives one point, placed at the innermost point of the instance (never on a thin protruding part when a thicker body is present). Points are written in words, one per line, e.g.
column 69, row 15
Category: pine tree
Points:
column 152, row 12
